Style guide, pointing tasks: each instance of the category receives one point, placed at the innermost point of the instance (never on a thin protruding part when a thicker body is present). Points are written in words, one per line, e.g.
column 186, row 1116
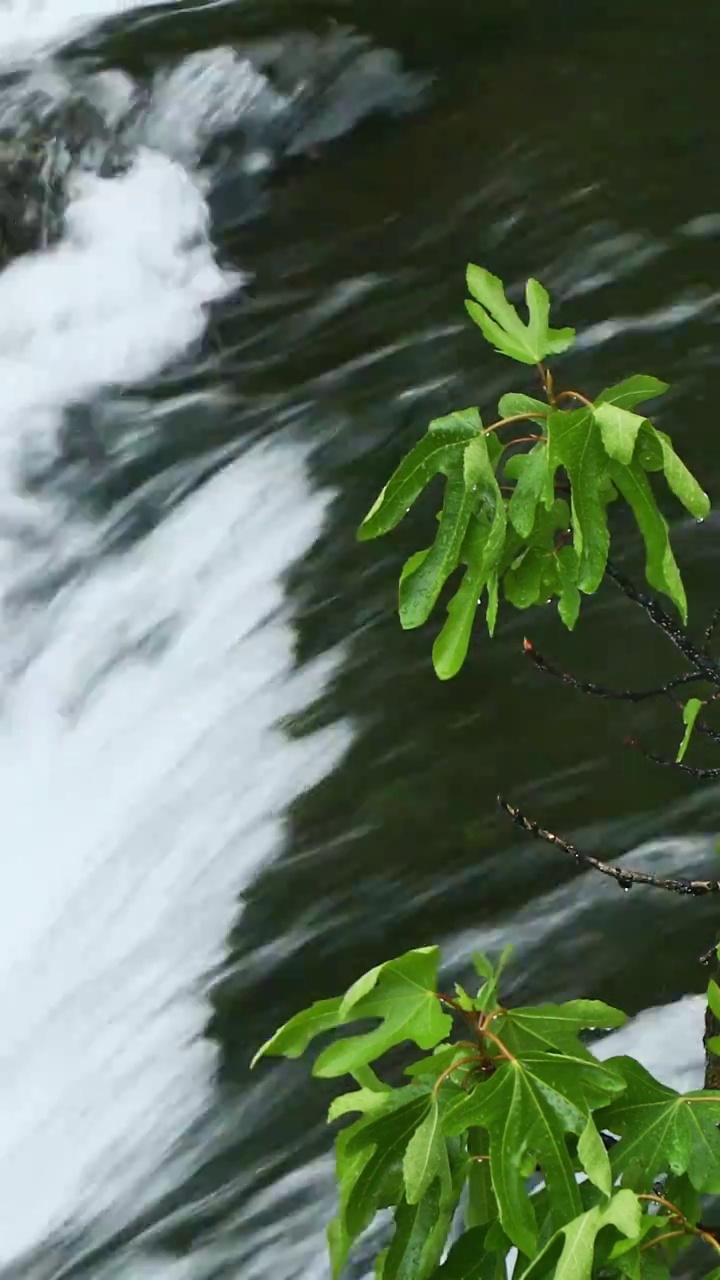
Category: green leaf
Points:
column 533, row 486
column 569, row 602
column 575, row 1261
column 662, row 1130
column 348, row 1171
column 444, row 443
column 555, row 1026
column 438, row 1062
column 482, row 1205
column 426, row 1156
column 421, row 1230
column 487, row 996
column 528, row 1107
column 293, row 1038
column 619, row 430
column 594, row 1158
column 514, row 403
column 462, row 997
column 483, row 965
column 362, row 1100
column 481, row 551
column 471, row 482
column 501, row 325
column 413, row 562
column 681, row 481
column 420, row 1233
column 468, row 1259
column 660, row 564
column 522, row 583
column 384, row 1140
column 575, row 444
column 713, row 997
column 633, row 391
column 402, row 993
column 451, row 646
column 691, row 710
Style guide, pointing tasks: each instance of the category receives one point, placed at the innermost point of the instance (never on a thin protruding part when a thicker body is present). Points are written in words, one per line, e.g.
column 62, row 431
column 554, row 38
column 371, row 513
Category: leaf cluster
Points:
column 531, row 524
column 510, row 1136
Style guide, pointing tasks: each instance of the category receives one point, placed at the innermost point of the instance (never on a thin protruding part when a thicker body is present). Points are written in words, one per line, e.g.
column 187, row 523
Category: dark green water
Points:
column 577, row 143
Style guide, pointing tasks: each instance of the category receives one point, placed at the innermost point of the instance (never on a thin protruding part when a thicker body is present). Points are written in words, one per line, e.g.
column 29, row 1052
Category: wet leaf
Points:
column 691, row 711
column 444, row 443
column 522, row 583
column 575, row 444
column 471, row 486
column 292, row 1039
column 618, row 429
column 527, row 1108
column 662, row 1130
column 594, row 1158
column 481, row 552
column 420, row 1234
column 426, row 1155
column 482, row 1205
column 501, row 325
column 384, row 1140
column 660, row 565
column 468, row 1259
column 402, row 993
column 681, row 481
column 578, row 1238
column 556, row 1026
column 534, row 485
column 633, row 391
column 569, row 602
column 514, row 402
column 452, row 643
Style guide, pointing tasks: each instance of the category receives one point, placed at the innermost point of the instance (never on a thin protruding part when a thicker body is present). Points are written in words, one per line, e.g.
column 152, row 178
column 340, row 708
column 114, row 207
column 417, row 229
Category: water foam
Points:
column 131, row 825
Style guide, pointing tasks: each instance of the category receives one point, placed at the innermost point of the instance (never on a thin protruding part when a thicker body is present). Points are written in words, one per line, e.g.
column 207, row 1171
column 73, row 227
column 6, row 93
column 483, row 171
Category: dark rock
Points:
column 36, row 161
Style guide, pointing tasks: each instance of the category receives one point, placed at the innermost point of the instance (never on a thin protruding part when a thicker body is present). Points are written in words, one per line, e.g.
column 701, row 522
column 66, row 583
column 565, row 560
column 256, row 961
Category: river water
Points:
column 228, row 782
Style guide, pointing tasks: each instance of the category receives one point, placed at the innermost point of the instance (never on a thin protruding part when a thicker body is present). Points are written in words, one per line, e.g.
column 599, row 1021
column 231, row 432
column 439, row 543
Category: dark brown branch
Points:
column 667, row 763
column 602, row 691
column 624, row 876
column 701, row 662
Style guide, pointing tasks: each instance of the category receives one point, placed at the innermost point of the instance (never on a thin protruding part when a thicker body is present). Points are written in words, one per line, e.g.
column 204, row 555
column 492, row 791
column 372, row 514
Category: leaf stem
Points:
column 461, row 1062
column 490, row 1035
column 514, row 417
column 667, row 1204
column 576, row 395
column 667, row 1235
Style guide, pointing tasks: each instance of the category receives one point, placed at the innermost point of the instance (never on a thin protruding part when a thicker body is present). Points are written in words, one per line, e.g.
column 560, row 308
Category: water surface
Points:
column 229, row 782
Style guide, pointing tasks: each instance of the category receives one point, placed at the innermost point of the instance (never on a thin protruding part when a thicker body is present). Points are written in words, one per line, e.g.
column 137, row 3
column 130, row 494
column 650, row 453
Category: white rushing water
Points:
column 133, row 814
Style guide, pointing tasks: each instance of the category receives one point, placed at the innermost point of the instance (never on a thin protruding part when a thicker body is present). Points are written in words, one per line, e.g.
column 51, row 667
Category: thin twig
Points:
column 624, row 876
column 700, row 774
column 701, row 662
column 602, row 691
column 709, row 630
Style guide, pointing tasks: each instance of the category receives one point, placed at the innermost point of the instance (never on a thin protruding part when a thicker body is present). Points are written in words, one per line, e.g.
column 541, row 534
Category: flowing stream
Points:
column 227, row 781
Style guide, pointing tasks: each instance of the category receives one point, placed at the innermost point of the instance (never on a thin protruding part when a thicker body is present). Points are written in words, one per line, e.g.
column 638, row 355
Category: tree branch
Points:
column 624, row 876
column 667, row 763
column 602, row 691
column 701, row 662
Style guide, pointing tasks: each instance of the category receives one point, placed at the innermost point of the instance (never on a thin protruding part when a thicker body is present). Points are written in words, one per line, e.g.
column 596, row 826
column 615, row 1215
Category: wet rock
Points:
column 37, row 158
